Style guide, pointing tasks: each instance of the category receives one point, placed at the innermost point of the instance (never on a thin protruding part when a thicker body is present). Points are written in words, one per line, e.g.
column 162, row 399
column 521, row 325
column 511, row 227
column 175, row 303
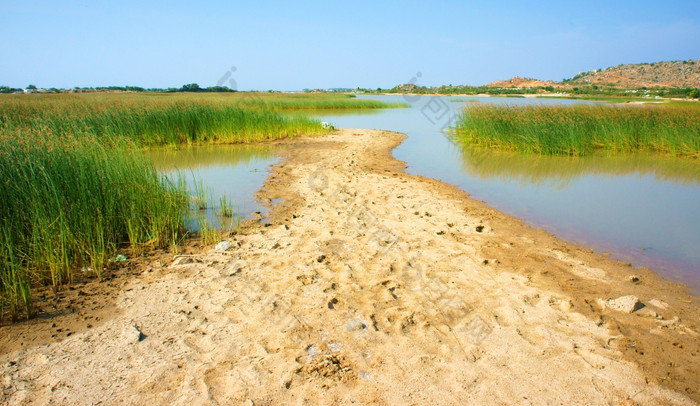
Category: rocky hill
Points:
column 522, row 82
column 659, row 74
column 664, row 74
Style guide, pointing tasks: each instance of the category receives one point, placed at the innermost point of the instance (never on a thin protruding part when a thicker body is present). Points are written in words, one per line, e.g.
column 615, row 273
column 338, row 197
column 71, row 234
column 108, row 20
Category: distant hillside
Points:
column 676, row 79
column 631, row 76
column 664, row 74
column 522, row 82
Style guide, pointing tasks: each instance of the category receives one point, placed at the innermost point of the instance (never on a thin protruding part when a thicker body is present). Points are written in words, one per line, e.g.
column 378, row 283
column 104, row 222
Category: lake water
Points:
column 233, row 171
column 641, row 209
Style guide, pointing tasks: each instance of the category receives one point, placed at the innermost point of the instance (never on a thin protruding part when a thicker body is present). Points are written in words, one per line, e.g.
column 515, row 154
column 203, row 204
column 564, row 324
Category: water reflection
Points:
column 563, row 171
column 334, row 112
column 195, row 157
column 232, row 172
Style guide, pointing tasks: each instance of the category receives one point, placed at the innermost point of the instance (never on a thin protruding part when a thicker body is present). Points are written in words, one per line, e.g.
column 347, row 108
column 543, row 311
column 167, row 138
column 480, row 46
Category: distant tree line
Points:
column 583, row 90
column 586, row 90
column 193, row 87
column 190, row 87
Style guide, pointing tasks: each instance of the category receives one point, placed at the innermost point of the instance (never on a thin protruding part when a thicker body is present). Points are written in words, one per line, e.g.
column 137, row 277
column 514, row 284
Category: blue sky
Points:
column 322, row 44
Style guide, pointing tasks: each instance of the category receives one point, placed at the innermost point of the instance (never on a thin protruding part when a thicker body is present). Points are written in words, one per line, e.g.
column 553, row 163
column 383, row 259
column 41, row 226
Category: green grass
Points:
column 68, row 202
column 174, row 119
column 684, row 103
column 582, row 129
column 76, row 186
column 225, row 207
column 314, row 101
column 201, row 193
column 157, row 124
column 609, row 99
column 208, row 233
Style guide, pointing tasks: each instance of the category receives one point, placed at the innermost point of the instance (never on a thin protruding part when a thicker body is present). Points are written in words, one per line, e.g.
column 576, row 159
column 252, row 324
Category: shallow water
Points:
column 233, row 171
column 641, row 209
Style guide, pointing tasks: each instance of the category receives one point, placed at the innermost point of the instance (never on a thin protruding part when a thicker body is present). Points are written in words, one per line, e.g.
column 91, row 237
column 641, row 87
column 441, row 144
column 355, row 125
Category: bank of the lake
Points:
column 641, row 208
column 369, row 285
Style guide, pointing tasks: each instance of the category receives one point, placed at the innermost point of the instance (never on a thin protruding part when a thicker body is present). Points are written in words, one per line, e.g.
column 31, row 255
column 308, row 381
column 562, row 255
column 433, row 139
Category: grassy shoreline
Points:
column 76, row 185
column 582, row 129
column 164, row 119
column 69, row 203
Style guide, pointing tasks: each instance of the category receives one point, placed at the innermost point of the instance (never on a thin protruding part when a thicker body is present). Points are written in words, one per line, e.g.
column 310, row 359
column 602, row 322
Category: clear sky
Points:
column 285, row 45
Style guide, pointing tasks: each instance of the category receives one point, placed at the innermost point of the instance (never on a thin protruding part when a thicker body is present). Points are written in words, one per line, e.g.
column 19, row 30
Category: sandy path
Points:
column 373, row 286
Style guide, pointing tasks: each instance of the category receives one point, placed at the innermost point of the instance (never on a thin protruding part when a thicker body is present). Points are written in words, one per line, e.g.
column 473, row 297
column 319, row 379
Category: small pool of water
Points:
column 641, row 209
column 235, row 172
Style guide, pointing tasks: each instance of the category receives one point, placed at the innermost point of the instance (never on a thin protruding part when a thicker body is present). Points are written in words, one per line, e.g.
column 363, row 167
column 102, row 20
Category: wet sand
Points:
column 366, row 285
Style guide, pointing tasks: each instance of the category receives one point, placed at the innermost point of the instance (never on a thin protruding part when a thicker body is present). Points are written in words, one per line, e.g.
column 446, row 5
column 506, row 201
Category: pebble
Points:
column 659, row 304
column 223, row 246
column 625, row 304
column 184, row 261
column 355, row 325
column 133, row 334
column 232, row 268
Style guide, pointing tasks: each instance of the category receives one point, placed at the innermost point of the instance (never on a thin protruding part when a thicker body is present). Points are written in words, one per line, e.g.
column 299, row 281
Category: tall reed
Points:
column 69, row 201
column 157, row 119
column 579, row 130
column 175, row 124
column 75, row 186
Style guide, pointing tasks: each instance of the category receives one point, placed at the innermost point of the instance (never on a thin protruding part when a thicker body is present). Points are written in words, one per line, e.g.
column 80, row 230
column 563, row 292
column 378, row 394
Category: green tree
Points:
column 192, row 87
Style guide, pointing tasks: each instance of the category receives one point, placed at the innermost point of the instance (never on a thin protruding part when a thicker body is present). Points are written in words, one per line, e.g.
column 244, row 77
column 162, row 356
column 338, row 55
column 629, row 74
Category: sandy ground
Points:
column 366, row 285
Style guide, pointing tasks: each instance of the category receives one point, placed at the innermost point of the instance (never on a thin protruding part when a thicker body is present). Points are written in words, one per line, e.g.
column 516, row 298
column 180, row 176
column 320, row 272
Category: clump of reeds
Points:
column 579, row 130
column 206, row 230
column 225, row 207
column 201, row 193
column 157, row 119
column 69, row 201
column 176, row 124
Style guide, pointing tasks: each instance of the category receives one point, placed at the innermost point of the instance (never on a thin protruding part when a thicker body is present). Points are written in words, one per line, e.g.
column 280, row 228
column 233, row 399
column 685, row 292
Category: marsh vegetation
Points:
column 76, row 186
column 579, row 130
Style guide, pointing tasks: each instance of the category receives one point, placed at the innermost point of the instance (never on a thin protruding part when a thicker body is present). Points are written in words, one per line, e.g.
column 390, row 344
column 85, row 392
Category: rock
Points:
column 659, row 304
column 223, row 246
column 311, row 351
column 635, row 278
column 365, row 375
column 232, row 268
column 650, row 313
column 118, row 258
column 626, row 304
column 133, row 334
column 185, row 261
column 355, row 325
column 566, row 305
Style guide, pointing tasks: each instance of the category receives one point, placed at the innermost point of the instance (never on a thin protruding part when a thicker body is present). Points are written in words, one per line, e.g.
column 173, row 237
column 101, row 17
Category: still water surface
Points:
column 233, row 171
